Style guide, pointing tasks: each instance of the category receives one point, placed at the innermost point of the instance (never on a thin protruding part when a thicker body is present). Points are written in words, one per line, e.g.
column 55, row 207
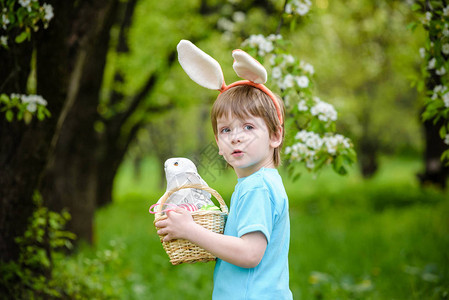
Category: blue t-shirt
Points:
column 259, row 203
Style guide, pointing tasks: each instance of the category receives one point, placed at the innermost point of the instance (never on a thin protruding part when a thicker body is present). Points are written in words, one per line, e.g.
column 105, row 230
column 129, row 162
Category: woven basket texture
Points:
column 183, row 251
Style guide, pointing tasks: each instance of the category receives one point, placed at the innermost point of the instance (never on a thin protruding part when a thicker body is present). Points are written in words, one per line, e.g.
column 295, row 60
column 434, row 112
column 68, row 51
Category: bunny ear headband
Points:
column 206, row 71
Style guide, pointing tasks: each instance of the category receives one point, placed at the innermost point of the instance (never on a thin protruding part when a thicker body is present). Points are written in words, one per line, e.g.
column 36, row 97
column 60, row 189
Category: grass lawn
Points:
column 383, row 238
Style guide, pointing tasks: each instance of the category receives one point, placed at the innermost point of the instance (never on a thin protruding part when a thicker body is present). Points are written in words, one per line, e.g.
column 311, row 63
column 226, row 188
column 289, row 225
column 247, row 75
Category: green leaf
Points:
column 4, row 98
column 27, row 117
column 293, row 25
column 420, row 86
column 445, row 157
column 9, row 115
column 21, row 37
column 338, row 162
column 416, row 7
column 443, row 132
column 320, row 162
column 412, row 26
column 40, row 114
column 296, row 177
column 20, row 115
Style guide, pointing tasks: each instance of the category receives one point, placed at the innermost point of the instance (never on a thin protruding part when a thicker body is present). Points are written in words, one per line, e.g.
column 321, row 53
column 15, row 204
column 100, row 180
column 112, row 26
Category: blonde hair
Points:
column 245, row 100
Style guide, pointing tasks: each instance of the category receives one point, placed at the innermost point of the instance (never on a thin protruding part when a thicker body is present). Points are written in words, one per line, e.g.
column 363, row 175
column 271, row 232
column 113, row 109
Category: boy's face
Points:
column 246, row 144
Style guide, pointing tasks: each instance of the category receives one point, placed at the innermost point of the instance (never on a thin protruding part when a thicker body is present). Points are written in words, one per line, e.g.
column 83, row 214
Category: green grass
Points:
column 383, row 238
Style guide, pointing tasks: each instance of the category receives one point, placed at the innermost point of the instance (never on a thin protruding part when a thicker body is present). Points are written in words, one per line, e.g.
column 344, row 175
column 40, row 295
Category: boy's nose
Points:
column 236, row 137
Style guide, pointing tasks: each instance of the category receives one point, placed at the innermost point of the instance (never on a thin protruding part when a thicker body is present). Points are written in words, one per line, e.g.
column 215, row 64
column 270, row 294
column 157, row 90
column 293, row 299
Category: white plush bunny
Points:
column 206, row 71
column 181, row 171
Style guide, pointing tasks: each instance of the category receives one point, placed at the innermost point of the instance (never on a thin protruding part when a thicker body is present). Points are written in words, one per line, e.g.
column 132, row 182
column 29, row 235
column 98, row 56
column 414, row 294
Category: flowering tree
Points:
column 434, row 18
column 310, row 120
column 19, row 19
column 435, row 76
column 41, row 71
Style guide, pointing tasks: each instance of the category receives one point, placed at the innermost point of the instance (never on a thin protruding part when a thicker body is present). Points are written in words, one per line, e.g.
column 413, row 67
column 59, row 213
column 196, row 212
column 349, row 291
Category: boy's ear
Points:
column 277, row 137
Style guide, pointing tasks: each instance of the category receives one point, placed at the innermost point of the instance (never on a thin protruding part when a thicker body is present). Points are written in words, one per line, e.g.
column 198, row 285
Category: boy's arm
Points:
column 246, row 251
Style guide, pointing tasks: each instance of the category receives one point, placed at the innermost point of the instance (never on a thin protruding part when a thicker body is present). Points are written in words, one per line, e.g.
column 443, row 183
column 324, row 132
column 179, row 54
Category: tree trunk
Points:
column 435, row 173
column 16, row 185
column 24, row 148
column 70, row 178
column 368, row 157
column 368, row 145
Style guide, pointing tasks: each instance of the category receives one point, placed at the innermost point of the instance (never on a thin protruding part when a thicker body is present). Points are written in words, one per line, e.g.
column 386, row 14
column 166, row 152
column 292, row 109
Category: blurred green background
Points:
column 376, row 233
column 351, row 238
column 373, row 234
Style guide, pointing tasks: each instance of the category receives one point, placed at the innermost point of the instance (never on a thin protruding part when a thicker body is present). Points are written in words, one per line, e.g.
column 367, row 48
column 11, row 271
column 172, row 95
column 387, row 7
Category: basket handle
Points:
column 213, row 192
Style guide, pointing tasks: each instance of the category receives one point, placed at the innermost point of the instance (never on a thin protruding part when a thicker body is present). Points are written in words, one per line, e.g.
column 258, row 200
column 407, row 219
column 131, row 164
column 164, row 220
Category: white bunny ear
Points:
column 248, row 68
column 200, row 67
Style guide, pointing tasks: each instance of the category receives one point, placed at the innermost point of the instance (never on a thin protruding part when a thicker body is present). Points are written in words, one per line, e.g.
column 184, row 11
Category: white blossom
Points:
column 302, row 9
column 331, row 145
column 314, row 142
column 445, row 49
column 259, row 41
column 4, row 40
column 422, row 52
column 308, row 68
column 310, row 164
column 441, row 71
column 310, row 143
column 428, row 17
column 298, row 7
column 446, row 11
column 333, row 142
column 272, row 59
column 302, row 81
column 276, row 72
column 325, row 111
column 288, row 81
column 446, row 30
column 438, row 88
column 32, row 100
column 310, row 139
column 289, row 59
column 48, row 12
column 5, row 21
column 225, row 24
column 274, row 37
column 302, row 106
column 302, row 135
column 432, row 64
column 238, row 16
column 446, row 99
column 25, row 3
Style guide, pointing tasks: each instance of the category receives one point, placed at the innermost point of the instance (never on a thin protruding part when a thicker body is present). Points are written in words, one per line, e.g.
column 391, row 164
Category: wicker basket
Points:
column 183, row 251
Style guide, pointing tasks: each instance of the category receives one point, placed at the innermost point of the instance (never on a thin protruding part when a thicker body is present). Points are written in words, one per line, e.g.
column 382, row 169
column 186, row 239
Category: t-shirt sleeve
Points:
column 254, row 213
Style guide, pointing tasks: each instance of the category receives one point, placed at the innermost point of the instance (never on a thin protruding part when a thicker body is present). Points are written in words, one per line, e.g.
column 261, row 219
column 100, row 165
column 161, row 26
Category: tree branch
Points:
column 281, row 17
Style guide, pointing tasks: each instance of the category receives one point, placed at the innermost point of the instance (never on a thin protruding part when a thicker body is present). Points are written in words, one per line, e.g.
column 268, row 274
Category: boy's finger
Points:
column 160, row 224
column 181, row 210
column 167, row 238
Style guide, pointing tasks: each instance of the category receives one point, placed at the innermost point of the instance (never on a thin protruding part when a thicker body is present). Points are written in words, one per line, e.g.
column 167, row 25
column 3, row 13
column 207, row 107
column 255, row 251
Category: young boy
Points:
column 252, row 254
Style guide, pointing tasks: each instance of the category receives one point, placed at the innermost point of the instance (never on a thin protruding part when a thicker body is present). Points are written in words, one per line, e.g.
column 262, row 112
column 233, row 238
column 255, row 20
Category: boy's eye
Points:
column 225, row 130
column 248, row 127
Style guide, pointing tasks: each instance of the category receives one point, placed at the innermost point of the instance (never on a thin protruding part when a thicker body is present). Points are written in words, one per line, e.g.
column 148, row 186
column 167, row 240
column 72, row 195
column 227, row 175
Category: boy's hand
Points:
column 178, row 225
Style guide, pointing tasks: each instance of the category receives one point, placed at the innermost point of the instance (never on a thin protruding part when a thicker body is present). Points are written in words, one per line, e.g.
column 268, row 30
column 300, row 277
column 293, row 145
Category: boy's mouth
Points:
column 237, row 152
